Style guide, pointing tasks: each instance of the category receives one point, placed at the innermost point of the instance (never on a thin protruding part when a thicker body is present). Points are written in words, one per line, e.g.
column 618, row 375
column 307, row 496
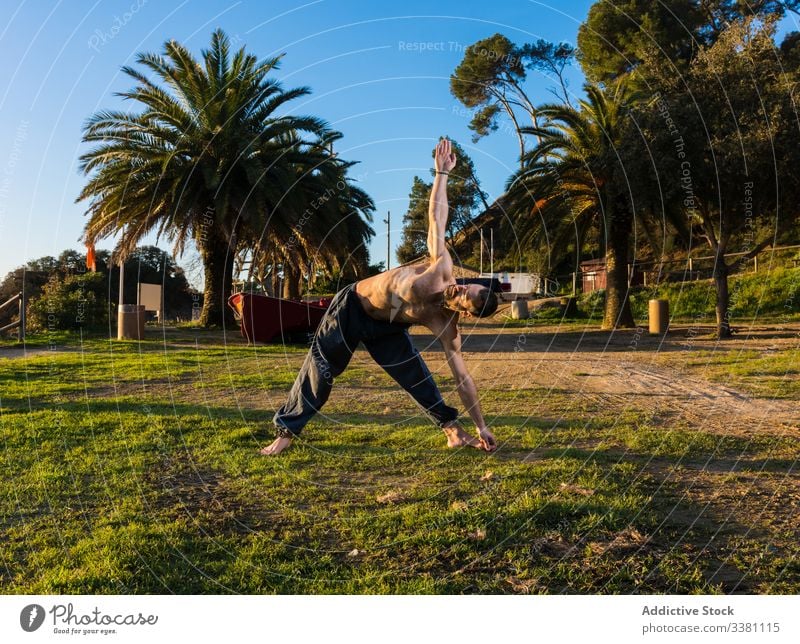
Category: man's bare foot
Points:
column 457, row 437
column 276, row 447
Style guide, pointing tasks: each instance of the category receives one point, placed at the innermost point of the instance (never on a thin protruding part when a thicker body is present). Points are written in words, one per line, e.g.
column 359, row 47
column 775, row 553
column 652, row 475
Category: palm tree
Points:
column 574, row 181
column 209, row 159
column 331, row 235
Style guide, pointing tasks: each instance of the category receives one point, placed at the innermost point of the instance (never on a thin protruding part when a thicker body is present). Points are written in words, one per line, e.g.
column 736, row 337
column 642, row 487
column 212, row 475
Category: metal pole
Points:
column 491, row 251
column 387, row 221
column 481, row 251
column 120, row 334
column 121, row 281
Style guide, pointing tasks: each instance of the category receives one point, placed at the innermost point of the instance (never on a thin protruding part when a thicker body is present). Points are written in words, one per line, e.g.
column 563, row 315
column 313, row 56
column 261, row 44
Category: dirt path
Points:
column 614, row 372
column 620, row 372
column 21, row 352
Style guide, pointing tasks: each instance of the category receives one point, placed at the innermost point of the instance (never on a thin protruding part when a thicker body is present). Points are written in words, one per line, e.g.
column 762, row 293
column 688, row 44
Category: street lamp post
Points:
column 388, row 221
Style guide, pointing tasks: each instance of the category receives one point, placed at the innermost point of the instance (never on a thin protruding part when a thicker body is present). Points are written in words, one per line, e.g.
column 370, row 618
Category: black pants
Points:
column 345, row 325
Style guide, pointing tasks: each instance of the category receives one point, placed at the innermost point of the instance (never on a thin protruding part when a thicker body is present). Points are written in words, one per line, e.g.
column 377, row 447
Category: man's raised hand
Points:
column 444, row 157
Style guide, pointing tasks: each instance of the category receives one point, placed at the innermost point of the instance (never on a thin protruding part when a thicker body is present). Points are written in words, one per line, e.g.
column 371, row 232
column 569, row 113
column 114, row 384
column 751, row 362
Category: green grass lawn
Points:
column 133, row 468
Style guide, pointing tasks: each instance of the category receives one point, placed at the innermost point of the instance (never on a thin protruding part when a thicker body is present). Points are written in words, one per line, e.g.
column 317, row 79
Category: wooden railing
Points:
column 20, row 322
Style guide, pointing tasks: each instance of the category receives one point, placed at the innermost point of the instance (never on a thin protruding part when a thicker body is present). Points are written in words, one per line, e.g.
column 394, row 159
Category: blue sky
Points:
column 63, row 61
column 391, row 102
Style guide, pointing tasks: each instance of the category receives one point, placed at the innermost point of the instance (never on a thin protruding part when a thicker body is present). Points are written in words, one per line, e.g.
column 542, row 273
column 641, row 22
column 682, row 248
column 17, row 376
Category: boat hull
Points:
column 273, row 319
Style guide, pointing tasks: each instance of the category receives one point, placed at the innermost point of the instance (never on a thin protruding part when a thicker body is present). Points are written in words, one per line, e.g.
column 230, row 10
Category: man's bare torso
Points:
column 409, row 294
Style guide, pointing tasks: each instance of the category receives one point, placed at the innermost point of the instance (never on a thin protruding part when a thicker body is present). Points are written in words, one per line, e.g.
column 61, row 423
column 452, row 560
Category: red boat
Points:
column 264, row 318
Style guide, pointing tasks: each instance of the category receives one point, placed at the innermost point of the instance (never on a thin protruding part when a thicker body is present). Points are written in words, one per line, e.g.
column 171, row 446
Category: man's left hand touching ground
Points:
column 458, row 437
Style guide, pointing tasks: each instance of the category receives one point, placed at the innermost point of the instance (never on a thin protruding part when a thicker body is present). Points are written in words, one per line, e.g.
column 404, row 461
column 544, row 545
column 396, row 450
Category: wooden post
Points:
column 574, row 283
column 755, row 264
column 21, row 328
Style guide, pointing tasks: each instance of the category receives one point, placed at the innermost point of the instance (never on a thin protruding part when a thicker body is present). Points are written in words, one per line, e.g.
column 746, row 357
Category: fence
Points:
column 688, row 269
column 20, row 322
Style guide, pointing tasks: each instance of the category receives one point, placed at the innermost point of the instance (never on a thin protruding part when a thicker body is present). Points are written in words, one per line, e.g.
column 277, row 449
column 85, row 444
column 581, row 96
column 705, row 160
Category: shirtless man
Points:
column 378, row 311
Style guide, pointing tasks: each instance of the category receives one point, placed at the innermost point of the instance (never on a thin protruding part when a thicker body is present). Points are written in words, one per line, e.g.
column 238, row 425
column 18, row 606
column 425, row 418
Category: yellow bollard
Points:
column 658, row 314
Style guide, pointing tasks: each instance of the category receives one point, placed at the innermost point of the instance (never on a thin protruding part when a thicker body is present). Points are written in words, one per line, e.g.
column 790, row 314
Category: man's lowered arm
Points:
column 467, row 391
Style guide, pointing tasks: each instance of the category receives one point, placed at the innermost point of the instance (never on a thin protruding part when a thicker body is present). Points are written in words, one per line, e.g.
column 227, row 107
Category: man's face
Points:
column 460, row 297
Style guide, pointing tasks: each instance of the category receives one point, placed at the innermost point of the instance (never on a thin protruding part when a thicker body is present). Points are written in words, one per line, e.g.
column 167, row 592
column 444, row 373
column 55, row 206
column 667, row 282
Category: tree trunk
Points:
column 291, row 282
column 618, row 305
column 723, row 297
column 218, row 273
column 275, row 279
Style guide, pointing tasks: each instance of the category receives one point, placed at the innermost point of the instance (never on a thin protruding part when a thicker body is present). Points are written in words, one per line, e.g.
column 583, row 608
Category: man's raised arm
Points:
column 444, row 162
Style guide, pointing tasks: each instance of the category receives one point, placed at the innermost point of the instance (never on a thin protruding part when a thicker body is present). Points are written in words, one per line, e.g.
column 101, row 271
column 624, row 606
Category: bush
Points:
column 762, row 294
column 686, row 300
column 773, row 293
column 591, row 304
column 69, row 303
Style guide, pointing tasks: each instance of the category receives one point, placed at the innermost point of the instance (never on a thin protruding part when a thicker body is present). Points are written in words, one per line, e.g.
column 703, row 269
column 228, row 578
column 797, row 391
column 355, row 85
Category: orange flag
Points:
column 90, row 259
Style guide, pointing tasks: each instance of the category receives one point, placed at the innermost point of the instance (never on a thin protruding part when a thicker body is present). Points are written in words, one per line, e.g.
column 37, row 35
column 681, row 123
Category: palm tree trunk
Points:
column 218, row 273
column 275, row 279
column 291, row 282
column 618, row 305
column 723, row 297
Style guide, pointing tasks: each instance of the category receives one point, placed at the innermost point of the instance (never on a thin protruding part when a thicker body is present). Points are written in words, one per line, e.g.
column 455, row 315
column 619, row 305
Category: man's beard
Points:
column 448, row 295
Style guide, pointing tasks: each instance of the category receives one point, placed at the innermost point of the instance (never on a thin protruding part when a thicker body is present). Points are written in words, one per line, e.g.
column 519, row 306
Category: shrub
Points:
column 773, row 293
column 591, row 304
column 71, row 302
column 766, row 293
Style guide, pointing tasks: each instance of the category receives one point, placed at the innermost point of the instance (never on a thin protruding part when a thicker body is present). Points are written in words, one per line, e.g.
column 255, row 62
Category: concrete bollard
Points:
column 658, row 314
column 519, row 310
column 130, row 322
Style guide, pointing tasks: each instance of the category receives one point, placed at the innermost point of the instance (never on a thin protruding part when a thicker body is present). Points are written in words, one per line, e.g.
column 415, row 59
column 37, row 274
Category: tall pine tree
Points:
column 463, row 196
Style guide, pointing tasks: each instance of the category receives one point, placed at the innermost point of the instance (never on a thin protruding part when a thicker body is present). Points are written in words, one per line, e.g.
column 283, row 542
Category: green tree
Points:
column 490, row 80
column 146, row 264
column 463, row 196
column 149, row 265
column 330, row 236
column 415, row 222
column 211, row 158
column 618, row 34
column 725, row 141
column 574, row 181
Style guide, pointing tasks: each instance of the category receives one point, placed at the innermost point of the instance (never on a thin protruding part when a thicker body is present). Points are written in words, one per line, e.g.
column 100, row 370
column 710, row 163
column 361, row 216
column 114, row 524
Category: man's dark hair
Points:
column 484, row 303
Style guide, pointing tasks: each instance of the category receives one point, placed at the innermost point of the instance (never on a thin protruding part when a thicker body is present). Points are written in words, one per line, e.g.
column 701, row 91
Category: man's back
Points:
column 409, row 294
